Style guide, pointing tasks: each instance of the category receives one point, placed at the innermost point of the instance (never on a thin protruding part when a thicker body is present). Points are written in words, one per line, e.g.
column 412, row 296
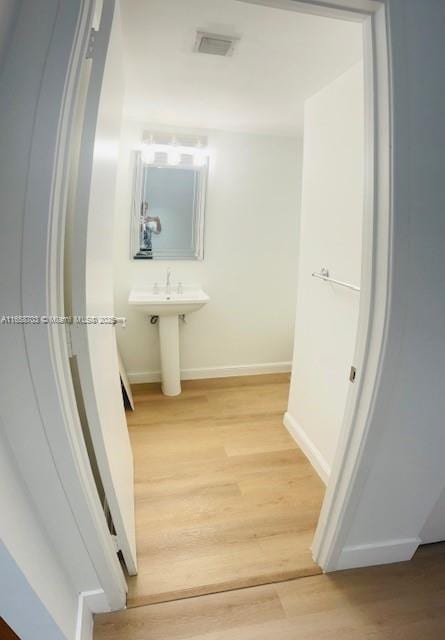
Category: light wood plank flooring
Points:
column 393, row 602
column 224, row 497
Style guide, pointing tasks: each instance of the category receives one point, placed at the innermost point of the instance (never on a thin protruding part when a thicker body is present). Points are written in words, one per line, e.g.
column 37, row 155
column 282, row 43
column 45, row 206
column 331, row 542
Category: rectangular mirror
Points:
column 168, row 210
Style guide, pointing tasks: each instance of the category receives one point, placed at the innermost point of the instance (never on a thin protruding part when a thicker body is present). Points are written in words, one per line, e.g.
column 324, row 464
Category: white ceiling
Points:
column 282, row 58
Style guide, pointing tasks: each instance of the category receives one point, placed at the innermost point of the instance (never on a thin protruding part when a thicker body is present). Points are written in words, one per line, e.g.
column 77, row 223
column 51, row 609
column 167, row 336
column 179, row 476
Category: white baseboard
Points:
column 367, row 555
column 307, row 446
column 84, row 624
column 89, row 602
column 138, row 377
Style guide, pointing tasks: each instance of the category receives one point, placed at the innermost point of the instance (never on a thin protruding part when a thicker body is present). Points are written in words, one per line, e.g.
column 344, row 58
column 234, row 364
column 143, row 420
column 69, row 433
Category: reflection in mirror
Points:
column 168, row 210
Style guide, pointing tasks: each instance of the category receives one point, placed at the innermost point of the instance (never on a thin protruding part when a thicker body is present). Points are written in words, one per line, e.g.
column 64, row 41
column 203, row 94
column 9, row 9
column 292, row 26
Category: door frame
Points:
column 42, row 287
column 357, row 439
column 100, row 391
column 350, row 467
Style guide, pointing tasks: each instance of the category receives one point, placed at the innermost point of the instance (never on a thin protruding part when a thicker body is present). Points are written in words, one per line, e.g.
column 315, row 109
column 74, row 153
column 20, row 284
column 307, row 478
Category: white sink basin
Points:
column 161, row 303
column 156, row 301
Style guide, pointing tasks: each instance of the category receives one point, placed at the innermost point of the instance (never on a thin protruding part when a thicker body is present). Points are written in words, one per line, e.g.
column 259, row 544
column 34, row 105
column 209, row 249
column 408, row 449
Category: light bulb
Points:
column 148, row 154
column 199, row 158
column 173, row 156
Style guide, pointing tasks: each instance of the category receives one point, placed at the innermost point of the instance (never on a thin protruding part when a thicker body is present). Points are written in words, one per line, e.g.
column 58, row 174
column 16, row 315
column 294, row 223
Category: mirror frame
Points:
column 198, row 214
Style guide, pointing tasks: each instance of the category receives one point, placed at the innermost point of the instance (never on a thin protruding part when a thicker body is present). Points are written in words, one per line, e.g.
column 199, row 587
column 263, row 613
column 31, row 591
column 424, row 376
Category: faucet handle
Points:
column 180, row 288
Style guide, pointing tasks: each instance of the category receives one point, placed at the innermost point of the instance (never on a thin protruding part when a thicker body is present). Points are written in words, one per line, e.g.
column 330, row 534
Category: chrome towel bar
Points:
column 324, row 275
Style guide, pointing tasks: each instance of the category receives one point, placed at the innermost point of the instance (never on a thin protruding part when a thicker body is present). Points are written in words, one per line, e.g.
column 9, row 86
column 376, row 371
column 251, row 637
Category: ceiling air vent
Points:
column 215, row 44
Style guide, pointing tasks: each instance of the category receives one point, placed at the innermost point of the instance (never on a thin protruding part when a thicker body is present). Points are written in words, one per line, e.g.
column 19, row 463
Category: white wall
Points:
column 31, row 578
column 249, row 267
column 434, row 528
column 8, row 13
column 331, row 226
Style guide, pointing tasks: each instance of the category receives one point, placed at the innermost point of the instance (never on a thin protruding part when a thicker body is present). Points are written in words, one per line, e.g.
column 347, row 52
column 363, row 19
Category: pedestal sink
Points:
column 168, row 303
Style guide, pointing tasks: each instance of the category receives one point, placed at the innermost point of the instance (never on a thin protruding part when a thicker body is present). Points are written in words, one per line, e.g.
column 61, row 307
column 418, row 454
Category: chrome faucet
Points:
column 168, row 285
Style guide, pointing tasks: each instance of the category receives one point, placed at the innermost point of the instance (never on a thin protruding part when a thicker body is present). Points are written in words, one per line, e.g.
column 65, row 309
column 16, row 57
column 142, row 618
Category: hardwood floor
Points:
column 394, row 602
column 225, row 500
column 224, row 497
column 6, row 633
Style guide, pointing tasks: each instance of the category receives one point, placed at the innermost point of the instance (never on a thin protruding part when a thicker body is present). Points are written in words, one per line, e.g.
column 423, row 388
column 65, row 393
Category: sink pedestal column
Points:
column 169, row 343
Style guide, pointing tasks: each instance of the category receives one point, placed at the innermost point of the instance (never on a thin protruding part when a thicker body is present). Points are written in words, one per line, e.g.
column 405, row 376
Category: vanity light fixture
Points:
column 199, row 160
column 148, row 153
column 200, row 157
column 174, row 153
column 173, row 156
